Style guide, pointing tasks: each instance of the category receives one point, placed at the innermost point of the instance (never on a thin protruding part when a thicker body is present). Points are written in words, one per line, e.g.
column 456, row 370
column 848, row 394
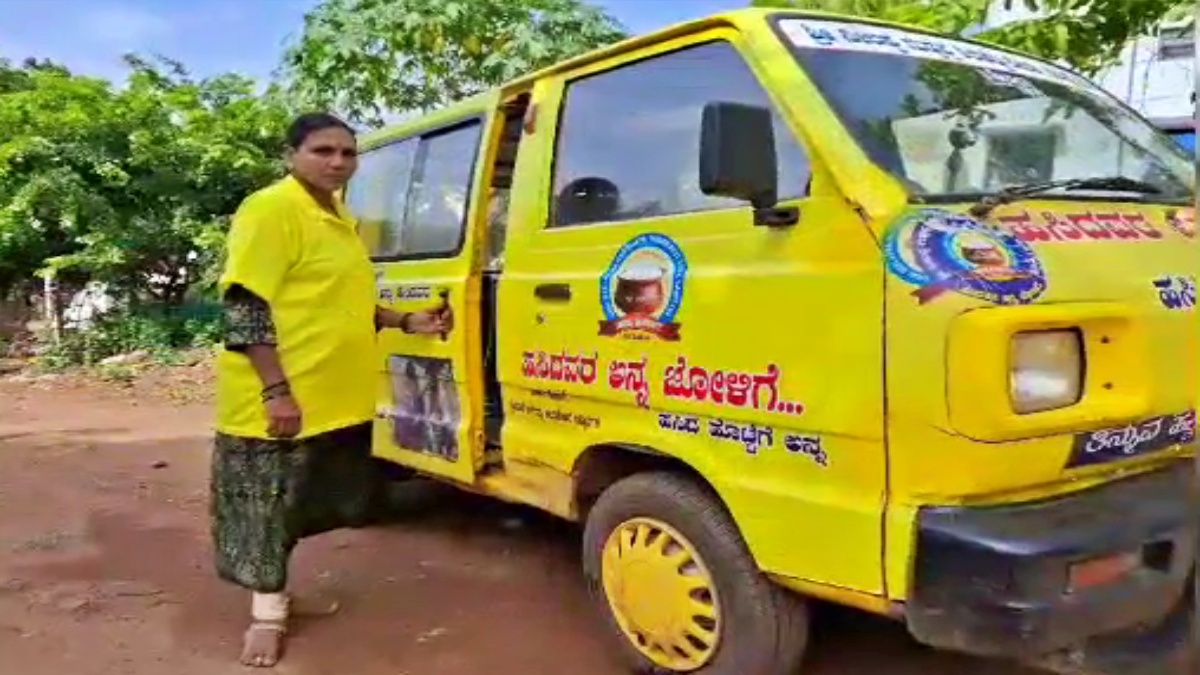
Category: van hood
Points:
column 1063, row 258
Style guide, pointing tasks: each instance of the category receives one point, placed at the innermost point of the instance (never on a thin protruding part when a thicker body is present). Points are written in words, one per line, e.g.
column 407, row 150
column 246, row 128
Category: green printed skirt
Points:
column 267, row 495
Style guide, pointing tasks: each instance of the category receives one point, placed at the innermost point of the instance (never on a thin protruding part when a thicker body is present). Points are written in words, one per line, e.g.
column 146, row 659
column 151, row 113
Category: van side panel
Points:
column 764, row 375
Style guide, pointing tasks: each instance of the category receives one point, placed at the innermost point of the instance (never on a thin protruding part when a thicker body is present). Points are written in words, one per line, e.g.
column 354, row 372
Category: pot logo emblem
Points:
column 642, row 290
column 938, row 252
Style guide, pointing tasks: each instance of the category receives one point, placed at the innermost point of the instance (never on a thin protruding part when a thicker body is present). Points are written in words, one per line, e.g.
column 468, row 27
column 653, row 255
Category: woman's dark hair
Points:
column 309, row 123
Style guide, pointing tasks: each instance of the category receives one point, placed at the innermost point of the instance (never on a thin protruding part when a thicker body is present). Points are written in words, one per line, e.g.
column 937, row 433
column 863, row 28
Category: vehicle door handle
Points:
column 553, row 292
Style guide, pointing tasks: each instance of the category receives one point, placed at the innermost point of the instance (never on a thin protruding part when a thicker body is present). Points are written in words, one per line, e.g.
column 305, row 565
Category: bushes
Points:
column 161, row 332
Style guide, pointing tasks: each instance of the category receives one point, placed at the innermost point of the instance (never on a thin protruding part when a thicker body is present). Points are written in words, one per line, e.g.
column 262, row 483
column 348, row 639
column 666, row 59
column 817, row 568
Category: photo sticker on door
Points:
column 642, row 290
column 425, row 410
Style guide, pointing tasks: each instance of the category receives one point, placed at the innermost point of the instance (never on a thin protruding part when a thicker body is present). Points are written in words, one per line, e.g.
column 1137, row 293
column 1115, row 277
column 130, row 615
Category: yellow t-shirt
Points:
column 316, row 275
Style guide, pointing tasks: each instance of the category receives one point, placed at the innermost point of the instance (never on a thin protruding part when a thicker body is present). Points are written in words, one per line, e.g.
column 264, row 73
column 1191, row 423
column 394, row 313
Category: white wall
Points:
column 1154, row 86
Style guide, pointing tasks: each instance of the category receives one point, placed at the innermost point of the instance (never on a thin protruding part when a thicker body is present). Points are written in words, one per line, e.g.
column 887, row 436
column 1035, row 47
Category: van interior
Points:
column 514, row 112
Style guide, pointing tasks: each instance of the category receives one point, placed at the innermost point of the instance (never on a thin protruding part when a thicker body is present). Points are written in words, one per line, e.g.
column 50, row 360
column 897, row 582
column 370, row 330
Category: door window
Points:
column 629, row 141
column 378, row 193
column 411, row 197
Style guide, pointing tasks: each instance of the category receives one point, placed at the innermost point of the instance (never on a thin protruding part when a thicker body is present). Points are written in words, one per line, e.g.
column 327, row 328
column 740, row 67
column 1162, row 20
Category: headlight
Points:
column 1046, row 370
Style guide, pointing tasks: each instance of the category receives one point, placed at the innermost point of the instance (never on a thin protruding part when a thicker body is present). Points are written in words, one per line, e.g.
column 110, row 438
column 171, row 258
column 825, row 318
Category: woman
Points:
column 296, row 381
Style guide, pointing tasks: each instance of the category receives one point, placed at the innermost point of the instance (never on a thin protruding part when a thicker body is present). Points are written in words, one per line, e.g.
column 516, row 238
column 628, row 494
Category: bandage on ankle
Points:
column 269, row 606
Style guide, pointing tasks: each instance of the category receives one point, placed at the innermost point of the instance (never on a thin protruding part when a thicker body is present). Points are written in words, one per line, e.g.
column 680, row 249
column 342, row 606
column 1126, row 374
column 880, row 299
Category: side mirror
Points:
column 737, row 154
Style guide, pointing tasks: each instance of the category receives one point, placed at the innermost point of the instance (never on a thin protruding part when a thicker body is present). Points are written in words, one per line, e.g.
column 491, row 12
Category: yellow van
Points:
column 785, row 306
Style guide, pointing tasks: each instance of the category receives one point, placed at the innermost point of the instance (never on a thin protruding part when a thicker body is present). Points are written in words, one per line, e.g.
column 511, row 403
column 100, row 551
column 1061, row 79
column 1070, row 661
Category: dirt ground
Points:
column 105, row 566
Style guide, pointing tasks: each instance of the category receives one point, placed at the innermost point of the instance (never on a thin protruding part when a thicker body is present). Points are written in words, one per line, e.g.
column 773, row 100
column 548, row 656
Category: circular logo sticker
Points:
column 642, row 290
column 938, row 251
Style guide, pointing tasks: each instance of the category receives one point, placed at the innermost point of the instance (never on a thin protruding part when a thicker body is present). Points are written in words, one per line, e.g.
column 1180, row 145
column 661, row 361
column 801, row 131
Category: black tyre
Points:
column 677, row 586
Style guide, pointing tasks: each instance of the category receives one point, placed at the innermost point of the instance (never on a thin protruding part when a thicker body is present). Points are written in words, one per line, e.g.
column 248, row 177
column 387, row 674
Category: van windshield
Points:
column 954, row 119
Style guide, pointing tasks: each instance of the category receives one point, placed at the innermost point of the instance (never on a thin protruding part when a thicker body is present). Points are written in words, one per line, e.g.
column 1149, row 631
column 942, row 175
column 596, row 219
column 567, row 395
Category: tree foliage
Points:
column 1085, row 34
column 366, row 58
column 17, row 78
column 132, row 186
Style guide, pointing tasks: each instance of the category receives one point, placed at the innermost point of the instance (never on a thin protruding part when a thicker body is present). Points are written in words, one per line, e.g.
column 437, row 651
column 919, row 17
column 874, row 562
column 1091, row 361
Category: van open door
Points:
column 413, row 193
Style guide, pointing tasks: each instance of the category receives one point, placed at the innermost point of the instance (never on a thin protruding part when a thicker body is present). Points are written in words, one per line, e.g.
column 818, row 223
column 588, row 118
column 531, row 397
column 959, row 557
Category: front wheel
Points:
column 676, row 584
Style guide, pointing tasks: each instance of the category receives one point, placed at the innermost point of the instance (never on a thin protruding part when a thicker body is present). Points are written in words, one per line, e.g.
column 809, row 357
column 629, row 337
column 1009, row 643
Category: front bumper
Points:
column 997, row 581
column 1164, row 648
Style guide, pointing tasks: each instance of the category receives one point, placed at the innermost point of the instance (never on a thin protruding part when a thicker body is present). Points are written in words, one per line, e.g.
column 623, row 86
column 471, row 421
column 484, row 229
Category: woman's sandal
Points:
column 262, row 645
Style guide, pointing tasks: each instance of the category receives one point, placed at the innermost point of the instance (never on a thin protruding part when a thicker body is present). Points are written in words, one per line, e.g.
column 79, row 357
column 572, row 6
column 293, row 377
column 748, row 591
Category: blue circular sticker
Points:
column 642, row 289
column 938, row 251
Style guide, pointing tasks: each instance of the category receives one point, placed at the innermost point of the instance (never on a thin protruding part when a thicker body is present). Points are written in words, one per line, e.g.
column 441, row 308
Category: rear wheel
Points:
column 678, row 588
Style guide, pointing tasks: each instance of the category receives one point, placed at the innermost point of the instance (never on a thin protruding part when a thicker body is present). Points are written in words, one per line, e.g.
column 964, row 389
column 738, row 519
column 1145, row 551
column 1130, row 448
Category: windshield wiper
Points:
column 1012, row 193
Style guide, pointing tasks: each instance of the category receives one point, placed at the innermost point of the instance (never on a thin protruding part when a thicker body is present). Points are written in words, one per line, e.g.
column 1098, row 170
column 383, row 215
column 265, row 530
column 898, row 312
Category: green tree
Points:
column 15, row 78
column 52, row 165
column 366, row 58
column 1086, row 34
column 133, row 186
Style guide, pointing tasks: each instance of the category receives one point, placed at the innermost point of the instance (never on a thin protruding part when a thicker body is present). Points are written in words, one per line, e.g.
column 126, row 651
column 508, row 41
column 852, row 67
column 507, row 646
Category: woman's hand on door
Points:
column 431, row 322
column 427, row 322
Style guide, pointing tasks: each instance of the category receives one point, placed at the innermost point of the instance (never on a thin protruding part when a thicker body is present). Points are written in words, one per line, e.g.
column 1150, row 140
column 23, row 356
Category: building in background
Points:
column 1156, row 75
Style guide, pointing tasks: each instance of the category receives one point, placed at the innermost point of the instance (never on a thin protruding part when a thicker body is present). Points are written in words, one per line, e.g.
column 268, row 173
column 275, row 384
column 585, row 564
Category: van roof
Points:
column 738, row 18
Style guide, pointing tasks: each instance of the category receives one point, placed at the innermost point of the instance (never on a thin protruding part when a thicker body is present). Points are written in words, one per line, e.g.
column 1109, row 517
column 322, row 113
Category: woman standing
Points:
column 296, row 381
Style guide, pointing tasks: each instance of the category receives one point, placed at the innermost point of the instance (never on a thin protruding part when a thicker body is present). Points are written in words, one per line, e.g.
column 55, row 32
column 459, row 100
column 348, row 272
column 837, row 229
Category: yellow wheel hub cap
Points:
column 661, row 594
